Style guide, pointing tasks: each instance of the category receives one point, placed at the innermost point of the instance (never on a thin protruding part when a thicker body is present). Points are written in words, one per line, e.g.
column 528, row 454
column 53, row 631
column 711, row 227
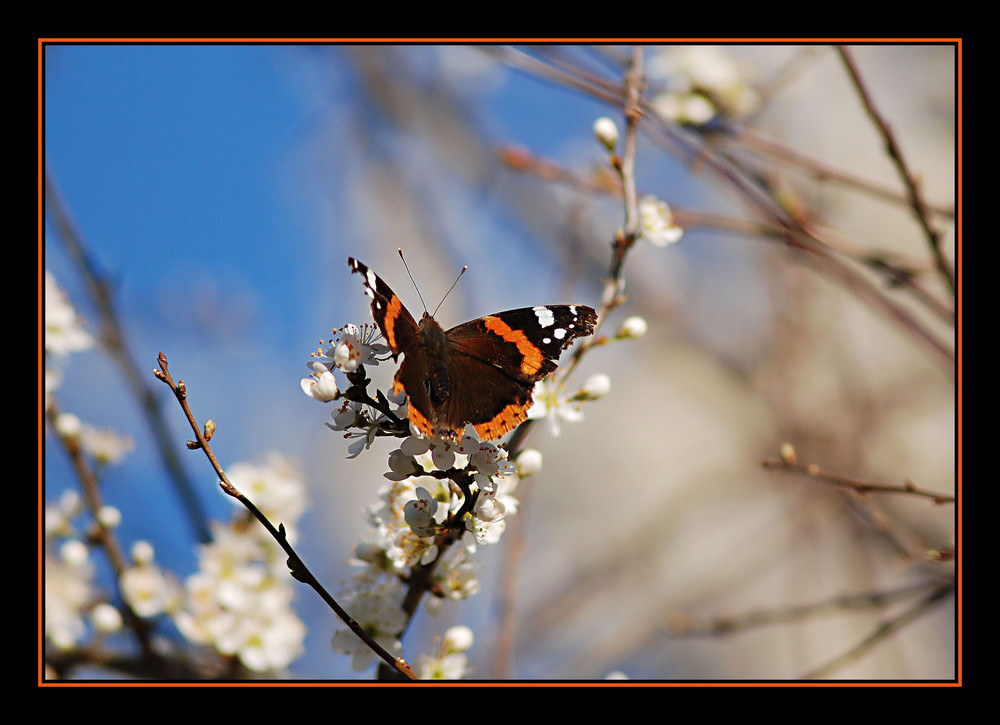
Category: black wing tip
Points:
column 588, row 316
column 356, row 266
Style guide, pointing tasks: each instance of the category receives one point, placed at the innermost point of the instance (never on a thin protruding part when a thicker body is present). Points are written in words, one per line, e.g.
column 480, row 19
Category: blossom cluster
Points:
column 450, row 661
column 353, row 347
column 75, row 607
column 64, row 329
column 70, row 595
column 416, row 505
column 701, row 83
column 65, row 334
column 240, row 599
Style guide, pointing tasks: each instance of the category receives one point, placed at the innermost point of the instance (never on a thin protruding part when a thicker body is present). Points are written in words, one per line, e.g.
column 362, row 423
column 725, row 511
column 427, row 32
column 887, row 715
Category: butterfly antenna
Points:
column 412, row 281
column 450, row 289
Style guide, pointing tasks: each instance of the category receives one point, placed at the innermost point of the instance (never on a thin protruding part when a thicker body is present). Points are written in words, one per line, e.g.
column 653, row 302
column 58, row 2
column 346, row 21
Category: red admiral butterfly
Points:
column 481, row 372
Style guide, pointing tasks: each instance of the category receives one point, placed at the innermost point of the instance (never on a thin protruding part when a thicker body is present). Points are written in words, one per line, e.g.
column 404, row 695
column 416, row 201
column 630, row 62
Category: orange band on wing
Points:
column 389, row 323
column 503, row 422
column 533, row 357
column 420, row 422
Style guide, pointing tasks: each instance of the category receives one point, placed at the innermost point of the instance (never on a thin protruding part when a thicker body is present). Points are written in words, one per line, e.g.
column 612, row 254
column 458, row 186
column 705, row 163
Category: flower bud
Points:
column 109, row 516
column 606, row 132
column 596, row 386
column 74, row 552
column 633, row 326
column 68, row 425
column 529, row 461
column 457, row 639
column 106, row 618
column 142, row 552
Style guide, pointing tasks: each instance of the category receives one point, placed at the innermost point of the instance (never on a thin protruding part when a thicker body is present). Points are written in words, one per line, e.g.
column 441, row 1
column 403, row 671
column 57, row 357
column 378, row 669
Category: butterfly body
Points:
column 481, row 372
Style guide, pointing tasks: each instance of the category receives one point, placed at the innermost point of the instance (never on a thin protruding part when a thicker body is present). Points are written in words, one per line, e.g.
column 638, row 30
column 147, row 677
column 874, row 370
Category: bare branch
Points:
column 856, row 484
column 914, row 193
column 296, row 566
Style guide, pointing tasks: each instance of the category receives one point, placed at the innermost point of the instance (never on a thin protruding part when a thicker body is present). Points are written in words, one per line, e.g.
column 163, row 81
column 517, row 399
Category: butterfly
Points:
column 481, row 372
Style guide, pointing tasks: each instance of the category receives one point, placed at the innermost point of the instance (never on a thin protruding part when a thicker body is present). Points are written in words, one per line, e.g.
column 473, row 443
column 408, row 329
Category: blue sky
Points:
column 168, row 157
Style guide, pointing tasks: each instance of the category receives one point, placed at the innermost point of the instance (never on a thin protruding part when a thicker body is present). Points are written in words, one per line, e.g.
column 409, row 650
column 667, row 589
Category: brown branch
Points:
column 113, row 339
column 856, row 484
column 624, row 166
column 794, row 233
column 683, row 626
column 895, row 272
column 914, row 194
column 753, row 140
column 101, row 534
column 296, row 566
column 881, row 633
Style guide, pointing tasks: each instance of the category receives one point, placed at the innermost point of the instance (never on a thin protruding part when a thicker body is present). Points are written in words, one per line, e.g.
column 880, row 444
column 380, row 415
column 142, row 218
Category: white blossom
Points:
column 656, row 222
column 64, row 331
column 68, row 593
column 321, row 384
column 552, row 402
column 378, row 610
column 239, row 601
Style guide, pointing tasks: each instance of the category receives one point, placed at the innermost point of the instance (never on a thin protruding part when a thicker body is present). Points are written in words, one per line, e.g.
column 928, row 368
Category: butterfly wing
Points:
column 495, row 361
column 418, row 374
column 394, row 321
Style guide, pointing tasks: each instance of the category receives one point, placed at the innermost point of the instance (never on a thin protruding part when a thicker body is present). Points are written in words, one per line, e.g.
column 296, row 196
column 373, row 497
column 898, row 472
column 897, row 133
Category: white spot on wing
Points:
column 544, row 315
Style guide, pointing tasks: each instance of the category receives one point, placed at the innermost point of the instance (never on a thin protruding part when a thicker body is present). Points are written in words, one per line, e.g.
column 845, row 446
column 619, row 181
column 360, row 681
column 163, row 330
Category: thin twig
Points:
column 753, row 140
column 799, row 238
column 562, row 75
column 296, row 566
column 682, row 626
column 101, row 534
column 694, row 149
column 856, row 484
column 914, row 193
column 113, row 338
column 624, row 165
column 880, row 634
column 633, row 114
